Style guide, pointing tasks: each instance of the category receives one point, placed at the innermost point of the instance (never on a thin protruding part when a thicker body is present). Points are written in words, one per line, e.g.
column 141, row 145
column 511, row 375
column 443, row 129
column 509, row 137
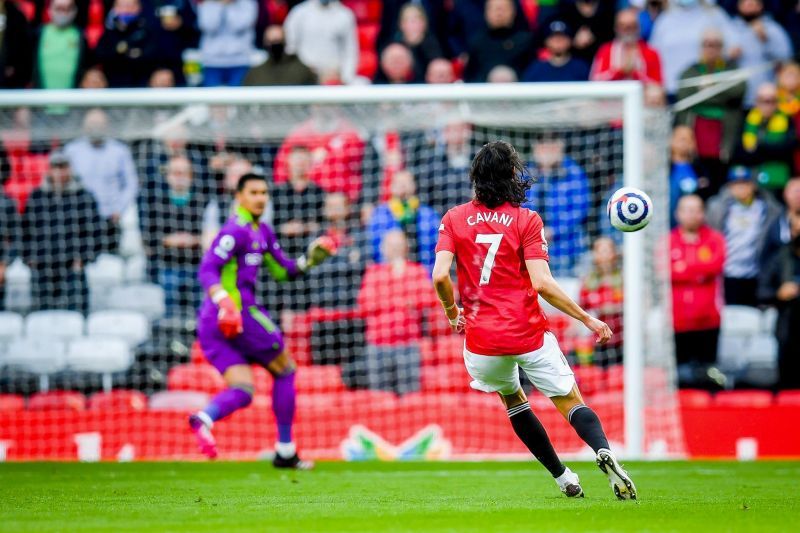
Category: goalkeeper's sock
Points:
column 531, row 432
column 228, row 401
column 283, row 405
column 588, row 427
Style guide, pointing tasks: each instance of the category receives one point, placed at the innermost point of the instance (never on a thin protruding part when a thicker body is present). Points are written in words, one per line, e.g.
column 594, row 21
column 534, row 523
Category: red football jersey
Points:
column 491, row 246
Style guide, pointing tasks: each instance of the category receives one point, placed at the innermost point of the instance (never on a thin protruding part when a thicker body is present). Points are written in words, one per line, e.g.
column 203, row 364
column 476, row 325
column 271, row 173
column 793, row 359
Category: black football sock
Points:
column 531, row 432
column 587, row 425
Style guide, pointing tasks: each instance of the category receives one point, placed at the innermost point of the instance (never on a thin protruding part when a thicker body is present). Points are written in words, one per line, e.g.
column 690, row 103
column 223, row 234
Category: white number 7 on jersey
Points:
column 492, row 239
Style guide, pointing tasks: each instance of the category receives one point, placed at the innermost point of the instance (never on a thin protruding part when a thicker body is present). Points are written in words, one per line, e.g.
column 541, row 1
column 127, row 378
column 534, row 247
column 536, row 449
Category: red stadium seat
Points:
column 366, row 11
column 178, row 400
column 445, row 350
column 590, row 379
column 744, row 398
column 196, row 354
column 367, row 64
column 615, row 378
column 788, row 397
column 319, row 378
column 367, row 36
column 57, row 400
column 201, row 378
column 118, row 400
column 445, row 378
column 366, row 399
column 11, row 402
column 694, row 398
column 262, row 380
column 601, row 399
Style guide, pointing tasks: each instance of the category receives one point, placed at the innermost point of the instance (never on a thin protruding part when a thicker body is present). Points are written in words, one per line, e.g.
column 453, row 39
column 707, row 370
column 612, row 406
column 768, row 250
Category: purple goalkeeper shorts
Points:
column 259, row 343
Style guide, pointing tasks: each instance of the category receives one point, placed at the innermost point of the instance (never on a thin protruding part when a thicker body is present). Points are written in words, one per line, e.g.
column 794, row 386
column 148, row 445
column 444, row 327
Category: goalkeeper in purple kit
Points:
column 235, row 332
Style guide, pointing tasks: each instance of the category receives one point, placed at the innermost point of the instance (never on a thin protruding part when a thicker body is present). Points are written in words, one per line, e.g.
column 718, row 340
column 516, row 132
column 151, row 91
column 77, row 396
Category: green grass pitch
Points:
column 484, row 496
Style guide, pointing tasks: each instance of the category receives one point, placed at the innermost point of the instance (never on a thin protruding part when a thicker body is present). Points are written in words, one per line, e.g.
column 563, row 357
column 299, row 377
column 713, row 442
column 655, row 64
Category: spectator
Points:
column 779, row 232
column 9, row 239
column 94, row 79
column 128, row 48
column 627, row 57
column 768, row 140
column 162, row 78
column 405, row 212
column 761, row 40
column 559, row 65
column 397, row 66
column 177, row 31
column 561, row 196
column 15, row 47
column 335, row 283
column 280, row 68
column 686, row 175
column 780, row 285
column 394, row 297
column 716, row 119
column 297, row 203
column 648, row 15
column 678, row 32
column 105, row 168
column 337, row 152
column 172, row 219
column 601, row 295
column 500, row 44
column 742, row 213
column 436, row 14
column 440, row 71
column 60, row 50
column 789, row 99
column 60, row 230
column 593, row 23
column 697, row 255
column 414, row 33
column 502, row 74
column 467, row 18
column 227, row 34
column 323, row 33
column 443, row 167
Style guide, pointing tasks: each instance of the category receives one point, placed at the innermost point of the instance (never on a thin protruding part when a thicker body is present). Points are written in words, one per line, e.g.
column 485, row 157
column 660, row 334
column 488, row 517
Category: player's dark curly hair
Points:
column 498, row 175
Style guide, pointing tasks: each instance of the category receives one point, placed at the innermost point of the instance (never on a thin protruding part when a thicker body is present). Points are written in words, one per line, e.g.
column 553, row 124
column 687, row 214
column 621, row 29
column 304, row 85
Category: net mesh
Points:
column 113, row 208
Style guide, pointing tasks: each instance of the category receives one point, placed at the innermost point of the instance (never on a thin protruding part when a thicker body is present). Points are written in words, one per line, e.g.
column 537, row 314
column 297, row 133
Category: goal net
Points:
column 113, row 198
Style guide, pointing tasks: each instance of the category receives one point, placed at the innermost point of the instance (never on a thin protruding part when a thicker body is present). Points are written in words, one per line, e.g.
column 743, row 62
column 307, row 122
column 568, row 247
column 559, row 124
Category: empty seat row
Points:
column 131, row 326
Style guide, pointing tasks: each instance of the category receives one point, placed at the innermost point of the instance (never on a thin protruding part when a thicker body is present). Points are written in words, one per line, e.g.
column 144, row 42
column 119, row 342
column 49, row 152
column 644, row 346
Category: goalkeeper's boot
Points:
column 202, row 432
column 293, row 461
column 620, row 481
column 569, row 484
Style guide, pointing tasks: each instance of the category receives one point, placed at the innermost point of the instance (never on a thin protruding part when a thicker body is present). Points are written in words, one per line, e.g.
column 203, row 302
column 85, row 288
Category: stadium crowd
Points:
column 734, row 153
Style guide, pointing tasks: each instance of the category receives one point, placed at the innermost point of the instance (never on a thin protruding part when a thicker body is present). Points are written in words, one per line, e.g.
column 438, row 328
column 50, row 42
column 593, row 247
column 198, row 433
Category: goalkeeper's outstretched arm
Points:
column 545, row 284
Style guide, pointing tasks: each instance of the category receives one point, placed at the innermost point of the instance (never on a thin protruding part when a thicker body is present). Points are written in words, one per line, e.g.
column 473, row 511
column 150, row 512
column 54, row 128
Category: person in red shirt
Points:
column 394, row 298
column 697, row 255
column 337, row 153
column 601, row 293
column 502, row 264
column 627, row 57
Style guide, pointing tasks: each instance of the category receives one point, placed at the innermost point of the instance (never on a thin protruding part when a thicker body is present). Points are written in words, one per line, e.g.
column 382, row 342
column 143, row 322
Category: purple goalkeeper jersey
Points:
column 241, row 247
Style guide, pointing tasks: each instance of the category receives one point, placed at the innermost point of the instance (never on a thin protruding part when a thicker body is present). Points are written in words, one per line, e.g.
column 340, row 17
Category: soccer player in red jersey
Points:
column 502, row 264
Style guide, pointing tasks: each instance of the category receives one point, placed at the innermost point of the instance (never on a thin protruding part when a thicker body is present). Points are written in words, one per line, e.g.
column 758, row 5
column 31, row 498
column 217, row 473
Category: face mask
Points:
column 97, row 138
column 127, row 18
column 276, row 50
column 62, row 20
column 325, row 2
column 687, row 3
column 751, row 17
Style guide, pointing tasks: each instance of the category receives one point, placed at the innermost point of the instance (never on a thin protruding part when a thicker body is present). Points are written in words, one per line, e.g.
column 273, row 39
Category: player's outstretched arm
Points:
column 444, row 290
column 545, row 284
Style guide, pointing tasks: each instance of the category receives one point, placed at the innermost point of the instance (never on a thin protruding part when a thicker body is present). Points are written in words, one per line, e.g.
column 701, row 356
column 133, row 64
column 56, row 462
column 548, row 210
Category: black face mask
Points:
column 276, row 50
column 751, row 17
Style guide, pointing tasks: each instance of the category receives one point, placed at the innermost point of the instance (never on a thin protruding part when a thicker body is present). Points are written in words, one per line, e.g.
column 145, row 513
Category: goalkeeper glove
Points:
column 318, row 251
column 229, row 318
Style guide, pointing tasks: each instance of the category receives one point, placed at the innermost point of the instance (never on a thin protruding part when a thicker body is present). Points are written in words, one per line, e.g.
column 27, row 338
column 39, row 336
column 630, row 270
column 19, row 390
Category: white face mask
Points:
column 686, row 3
column 62, row 20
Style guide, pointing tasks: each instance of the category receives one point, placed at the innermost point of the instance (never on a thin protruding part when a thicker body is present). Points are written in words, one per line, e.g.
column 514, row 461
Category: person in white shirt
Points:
column 323, row 33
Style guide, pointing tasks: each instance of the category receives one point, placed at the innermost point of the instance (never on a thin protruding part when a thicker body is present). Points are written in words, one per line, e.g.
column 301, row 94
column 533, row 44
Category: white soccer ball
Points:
column 629, row 209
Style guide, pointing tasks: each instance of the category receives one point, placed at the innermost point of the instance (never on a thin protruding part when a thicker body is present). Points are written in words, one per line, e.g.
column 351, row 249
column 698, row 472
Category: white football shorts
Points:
column 547, row 368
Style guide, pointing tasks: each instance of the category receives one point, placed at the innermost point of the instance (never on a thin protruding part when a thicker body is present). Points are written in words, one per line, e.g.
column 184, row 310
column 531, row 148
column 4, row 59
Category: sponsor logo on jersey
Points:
column 253, row 259
column 501, row 218
column 224, row 246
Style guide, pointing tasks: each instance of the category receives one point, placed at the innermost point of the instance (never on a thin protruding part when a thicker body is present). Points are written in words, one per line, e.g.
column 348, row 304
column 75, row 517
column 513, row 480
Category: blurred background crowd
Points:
column 727, row 69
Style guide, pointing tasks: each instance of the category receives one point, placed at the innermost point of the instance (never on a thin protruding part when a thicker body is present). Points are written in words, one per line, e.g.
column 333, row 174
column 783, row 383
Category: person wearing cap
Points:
column 742, row 213
column 627, row 57
column 559, row 65
column 61, row 233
